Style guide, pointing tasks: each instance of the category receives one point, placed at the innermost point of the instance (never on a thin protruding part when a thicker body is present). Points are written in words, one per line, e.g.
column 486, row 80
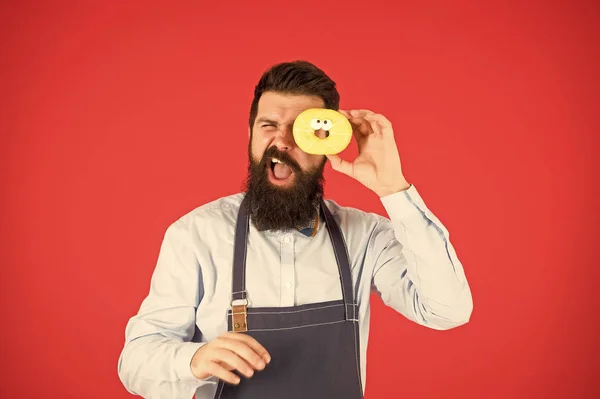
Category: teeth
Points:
column 275, row 160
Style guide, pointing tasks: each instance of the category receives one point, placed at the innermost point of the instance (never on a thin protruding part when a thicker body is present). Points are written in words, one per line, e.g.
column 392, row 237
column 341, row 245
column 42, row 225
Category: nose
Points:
column 284, row 138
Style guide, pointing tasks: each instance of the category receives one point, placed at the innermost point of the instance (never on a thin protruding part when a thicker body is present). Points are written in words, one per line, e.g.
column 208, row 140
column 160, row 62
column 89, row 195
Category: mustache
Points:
column 284, row 157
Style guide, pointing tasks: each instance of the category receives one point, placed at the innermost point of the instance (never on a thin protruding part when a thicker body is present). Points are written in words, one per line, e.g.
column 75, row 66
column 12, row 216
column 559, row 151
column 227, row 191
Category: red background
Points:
column 117, row 119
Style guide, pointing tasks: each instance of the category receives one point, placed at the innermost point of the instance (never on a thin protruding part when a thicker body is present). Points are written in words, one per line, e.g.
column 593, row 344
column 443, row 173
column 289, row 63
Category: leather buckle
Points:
column 239, row 318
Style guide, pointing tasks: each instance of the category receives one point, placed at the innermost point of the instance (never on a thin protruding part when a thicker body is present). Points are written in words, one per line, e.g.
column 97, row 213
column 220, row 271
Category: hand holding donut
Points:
column 377, row 165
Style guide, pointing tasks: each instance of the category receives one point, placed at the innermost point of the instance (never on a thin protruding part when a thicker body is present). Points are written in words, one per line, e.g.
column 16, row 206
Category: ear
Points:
column 249, row 132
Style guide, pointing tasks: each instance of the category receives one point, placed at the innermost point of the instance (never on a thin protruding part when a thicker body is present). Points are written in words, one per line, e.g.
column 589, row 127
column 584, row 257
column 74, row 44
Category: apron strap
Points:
column 239, row 253
column 339, row 249
column 342, row 259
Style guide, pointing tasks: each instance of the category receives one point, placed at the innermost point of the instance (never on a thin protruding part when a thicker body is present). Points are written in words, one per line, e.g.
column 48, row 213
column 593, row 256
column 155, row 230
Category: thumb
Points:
column 341, row 165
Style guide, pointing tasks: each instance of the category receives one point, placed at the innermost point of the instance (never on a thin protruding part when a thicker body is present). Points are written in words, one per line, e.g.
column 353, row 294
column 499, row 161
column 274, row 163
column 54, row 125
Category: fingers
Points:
column 368, row 122
column 221, row 372
column 231, row 359
column 341, row 165
column 246, row 348
column 228, row 353
column 251, row 342
column 380, row 124
column 356, row 119
column 356, row 113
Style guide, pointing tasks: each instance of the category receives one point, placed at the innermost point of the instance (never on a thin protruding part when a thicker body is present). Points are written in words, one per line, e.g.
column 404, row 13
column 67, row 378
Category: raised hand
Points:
column 377, row 165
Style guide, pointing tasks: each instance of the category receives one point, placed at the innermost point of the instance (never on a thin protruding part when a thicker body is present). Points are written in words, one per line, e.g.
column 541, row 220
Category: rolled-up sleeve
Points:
column 416, row 269
column 155, row 360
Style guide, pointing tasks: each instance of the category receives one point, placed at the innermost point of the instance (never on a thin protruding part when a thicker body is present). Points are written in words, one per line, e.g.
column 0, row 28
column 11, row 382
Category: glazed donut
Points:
column 337, row 131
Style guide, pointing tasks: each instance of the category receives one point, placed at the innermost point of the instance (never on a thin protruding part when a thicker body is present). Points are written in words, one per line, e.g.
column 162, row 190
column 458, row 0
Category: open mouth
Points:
column 280, row 173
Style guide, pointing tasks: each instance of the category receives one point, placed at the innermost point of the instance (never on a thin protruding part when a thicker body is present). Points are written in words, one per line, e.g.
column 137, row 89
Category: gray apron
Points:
column 314, row 348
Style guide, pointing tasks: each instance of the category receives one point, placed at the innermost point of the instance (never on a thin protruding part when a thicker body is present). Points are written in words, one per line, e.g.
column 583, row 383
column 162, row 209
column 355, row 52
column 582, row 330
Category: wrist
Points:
column 385, row 191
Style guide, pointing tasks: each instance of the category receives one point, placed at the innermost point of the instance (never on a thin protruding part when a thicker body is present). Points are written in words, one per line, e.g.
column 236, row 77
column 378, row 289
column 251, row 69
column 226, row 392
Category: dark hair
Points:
column 299, row 78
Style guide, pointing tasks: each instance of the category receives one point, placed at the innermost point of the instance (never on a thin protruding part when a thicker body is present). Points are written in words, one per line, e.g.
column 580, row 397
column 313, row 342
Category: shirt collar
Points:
column 312, row 228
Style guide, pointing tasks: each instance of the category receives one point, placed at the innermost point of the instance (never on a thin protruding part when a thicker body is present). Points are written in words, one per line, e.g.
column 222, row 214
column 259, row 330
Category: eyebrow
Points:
column 267, row 120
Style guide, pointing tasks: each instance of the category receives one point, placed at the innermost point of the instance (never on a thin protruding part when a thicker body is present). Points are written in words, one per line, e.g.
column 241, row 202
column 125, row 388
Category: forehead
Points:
column 285, row 107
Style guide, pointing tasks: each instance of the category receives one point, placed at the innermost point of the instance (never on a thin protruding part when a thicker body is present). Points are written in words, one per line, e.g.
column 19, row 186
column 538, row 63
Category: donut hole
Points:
column 322, row 134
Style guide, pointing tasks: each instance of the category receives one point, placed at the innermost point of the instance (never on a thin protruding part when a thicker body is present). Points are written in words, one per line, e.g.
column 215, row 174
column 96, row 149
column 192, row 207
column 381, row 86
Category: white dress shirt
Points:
column 407, row 258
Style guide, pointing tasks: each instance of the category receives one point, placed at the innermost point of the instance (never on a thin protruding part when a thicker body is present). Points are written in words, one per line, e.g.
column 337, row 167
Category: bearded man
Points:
column 265, row 293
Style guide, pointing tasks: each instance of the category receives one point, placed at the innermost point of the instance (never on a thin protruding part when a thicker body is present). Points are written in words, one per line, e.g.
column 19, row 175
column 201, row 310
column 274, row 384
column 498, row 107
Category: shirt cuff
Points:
column 404, row 204
column 183, row 361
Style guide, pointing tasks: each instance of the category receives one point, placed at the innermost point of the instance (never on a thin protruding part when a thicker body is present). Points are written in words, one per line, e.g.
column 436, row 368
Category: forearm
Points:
column 418, row 270
column 158, row 349
column 154, row 366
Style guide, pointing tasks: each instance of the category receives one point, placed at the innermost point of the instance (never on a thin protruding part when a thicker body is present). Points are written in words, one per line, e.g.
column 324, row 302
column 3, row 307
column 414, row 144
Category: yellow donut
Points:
column 335, row 125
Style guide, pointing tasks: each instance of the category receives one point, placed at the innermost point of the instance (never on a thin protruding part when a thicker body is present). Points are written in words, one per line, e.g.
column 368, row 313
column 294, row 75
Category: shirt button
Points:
column 288, row 285
column 287, row 239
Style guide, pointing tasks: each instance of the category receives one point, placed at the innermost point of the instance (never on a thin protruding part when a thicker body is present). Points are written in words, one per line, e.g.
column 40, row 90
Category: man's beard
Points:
column 282, row 208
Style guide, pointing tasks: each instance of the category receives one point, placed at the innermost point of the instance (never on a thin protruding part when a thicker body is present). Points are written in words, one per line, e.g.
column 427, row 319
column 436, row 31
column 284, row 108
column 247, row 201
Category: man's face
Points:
column 273, row 128
column 285, row 184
